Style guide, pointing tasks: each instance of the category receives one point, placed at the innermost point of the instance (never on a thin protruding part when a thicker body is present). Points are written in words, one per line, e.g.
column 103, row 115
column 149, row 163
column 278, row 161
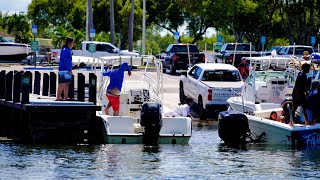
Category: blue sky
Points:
column 13, row 6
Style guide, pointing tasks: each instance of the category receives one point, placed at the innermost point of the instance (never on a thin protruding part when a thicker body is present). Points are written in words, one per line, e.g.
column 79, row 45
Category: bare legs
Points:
column 63, row 87
column 106, row 110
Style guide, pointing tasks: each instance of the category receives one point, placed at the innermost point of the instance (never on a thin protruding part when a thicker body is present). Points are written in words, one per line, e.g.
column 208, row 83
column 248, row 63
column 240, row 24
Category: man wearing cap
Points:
column 244, row 68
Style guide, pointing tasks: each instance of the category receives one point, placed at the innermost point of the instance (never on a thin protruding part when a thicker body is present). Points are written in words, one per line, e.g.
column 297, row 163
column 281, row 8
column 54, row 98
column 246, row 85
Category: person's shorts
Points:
column 114, row 101
column 64, row 77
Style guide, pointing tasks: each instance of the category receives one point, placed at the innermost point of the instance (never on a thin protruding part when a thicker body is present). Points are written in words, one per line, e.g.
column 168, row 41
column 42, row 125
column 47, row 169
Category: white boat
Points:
column 281, row 133
column 117, row 60
column 263, row 90
column 259, row 99
column 10, row 51
column 126, row 128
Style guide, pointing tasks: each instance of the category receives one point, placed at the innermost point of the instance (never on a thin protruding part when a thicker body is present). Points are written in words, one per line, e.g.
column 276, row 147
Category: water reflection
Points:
column 205, row 157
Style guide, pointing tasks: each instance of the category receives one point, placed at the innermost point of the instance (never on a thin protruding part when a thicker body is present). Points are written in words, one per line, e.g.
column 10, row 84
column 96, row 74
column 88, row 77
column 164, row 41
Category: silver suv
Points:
column 297, row 50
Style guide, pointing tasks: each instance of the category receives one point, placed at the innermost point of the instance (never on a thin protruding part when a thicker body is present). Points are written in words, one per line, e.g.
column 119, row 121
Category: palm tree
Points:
column 131, row 20
column 112, row 29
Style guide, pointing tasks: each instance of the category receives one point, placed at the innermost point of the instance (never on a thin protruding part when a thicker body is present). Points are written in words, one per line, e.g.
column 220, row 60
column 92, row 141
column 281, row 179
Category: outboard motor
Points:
column 233, row 127
column 151, row 120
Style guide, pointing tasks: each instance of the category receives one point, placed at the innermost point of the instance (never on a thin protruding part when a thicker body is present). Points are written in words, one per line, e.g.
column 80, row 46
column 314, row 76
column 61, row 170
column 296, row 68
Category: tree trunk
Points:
column 112, row 29
column 131, row 20
column 89, row 18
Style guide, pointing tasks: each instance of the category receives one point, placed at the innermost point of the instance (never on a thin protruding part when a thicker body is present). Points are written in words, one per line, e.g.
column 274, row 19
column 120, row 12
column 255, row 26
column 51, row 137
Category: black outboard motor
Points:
column 151, row 120
column 233, row 127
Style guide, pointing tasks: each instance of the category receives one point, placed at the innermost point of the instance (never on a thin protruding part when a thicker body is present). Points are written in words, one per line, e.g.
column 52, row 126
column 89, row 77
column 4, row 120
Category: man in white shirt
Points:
column 180, row 111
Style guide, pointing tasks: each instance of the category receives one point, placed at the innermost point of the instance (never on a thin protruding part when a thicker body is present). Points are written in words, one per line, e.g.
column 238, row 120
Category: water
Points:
column 204, row 158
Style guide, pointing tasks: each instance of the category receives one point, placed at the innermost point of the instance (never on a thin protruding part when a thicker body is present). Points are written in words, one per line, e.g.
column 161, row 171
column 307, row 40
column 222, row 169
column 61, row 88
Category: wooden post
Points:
column 93, row 88
column 81, row 87
column 71, row 88
column 53, row 84
column 45, row 84
column 17, row 87
column 37, row 80
column 141, row 61
column 8, row 90
column 30, row 87
column 2, row 84
column 25, row 83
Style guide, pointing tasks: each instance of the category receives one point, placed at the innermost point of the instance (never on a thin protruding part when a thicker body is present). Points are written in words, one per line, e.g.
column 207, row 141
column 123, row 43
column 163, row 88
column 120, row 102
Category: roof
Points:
column 95, row 42
column 215, row 66
column 297, row 46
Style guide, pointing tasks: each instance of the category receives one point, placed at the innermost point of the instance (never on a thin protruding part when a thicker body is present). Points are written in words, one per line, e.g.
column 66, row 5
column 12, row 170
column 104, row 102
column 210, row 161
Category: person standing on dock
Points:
column 114, row 87
column 299, row 93
column 65, row 70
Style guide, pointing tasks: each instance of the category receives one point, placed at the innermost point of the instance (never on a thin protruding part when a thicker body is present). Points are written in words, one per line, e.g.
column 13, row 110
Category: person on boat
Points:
column 313, row 102
column 181, row 110
column 274, row 116
column 286, row 105
column 306, row 55
column 244, row 68
column 300, row 91
column 115, row 86
column 65, row 70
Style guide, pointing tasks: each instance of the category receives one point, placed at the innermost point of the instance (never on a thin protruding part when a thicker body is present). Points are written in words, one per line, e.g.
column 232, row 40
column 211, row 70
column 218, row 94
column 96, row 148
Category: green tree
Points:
column 19, row 26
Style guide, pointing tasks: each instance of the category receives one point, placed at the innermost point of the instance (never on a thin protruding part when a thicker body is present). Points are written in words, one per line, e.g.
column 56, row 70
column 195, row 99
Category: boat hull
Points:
column 14, row 57
column 138, row 139
column 280, row 133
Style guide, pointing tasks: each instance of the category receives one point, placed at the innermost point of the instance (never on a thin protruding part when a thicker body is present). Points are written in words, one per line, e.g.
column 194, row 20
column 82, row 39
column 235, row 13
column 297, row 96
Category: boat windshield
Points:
column 2, row 39
column 267, row 75
column 221, row 75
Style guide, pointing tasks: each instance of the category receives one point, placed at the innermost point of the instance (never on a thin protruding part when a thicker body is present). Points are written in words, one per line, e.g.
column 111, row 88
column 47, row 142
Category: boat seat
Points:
column 119, row 124
column 176, row 125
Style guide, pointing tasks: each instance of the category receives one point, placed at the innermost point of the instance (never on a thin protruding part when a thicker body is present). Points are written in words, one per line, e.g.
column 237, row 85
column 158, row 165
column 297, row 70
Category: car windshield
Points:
column 221, row 75
column 240, row 47
column 2, row 39
column 267, row 75
column 183, row 48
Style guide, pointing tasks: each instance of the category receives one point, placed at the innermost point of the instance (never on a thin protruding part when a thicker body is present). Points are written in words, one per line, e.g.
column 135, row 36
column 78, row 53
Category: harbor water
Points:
column 205, row 157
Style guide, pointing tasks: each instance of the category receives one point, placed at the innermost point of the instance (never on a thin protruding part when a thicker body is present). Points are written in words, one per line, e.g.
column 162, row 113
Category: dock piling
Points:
column 9, row 79
column 2, row 84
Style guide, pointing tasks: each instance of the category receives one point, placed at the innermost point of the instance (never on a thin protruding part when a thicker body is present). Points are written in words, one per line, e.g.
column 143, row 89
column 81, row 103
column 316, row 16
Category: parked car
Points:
column 102, row 49
column 177, row 57
column 234, row 51
column 296, row 50
column 210, row 85
column 268, row 52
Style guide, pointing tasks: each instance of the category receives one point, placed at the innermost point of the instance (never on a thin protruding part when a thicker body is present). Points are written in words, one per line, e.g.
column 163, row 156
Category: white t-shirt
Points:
column 179, row 111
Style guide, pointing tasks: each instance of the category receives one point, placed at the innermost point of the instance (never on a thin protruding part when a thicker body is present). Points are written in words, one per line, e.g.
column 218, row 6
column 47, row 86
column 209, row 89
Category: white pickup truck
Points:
column 103, row 49
column 210, row 85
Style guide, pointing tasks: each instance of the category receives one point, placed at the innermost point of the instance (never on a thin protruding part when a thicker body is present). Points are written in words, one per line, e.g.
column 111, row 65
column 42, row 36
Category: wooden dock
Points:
column 30, row 114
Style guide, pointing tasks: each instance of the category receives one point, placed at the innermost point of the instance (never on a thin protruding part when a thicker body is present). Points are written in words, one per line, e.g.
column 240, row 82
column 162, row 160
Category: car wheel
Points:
column 182, row 96
column 202, row 111
column 172, row 70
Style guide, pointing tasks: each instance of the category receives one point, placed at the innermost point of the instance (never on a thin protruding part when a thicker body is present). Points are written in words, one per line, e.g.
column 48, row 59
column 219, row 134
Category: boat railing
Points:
column 155, row 87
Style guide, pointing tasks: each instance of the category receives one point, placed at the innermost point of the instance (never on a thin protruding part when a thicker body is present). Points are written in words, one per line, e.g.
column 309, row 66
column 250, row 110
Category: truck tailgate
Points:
column 221, row 91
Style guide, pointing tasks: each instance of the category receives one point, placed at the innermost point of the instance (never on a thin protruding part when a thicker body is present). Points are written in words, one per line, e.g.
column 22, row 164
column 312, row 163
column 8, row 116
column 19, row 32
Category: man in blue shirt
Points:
column 115, row 86
column 65, row 70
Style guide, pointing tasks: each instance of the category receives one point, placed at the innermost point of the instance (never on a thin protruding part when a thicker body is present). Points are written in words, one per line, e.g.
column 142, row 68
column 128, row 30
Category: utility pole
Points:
column 144, row 28
column 131, row 21
column 89, row 19
column 112, row 29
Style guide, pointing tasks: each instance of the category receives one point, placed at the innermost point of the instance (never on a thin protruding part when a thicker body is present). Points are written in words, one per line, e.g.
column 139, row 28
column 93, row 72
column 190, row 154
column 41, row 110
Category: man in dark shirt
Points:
column 300, row 90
